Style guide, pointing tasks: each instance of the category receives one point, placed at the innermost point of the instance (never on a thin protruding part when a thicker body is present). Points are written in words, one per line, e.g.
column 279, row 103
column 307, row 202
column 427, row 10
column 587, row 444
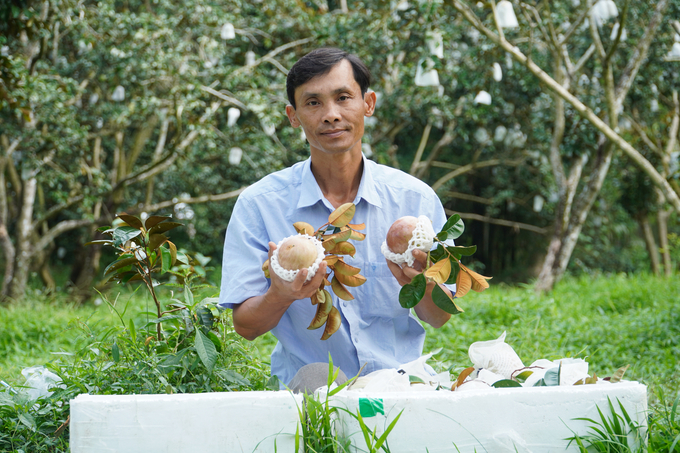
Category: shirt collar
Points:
column 311, row 194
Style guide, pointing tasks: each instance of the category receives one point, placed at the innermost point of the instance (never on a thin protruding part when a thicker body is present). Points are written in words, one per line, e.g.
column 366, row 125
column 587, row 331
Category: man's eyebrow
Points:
column 343, row 89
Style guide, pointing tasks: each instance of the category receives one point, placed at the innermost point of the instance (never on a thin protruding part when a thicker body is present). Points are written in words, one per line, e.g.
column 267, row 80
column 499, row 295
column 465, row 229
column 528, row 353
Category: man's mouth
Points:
column 333, row 133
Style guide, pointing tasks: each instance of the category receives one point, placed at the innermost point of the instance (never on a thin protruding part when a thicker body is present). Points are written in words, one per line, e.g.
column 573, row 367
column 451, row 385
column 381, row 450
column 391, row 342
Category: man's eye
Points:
column 344, row 98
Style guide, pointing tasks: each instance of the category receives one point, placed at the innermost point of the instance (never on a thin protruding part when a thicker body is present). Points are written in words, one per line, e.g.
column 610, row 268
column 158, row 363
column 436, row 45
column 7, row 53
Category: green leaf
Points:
column 133, row 332
column 455, row 268
column 188, row 296
column 443, row 301
column 123, row 234
column 206, row 350
column 504, row 383
column 205, row 317
column 272, row 383
column 236, row 378
column 552, row 377
column 438, row 253
column 100, row 241
column 215, row 339
column 412, row 293
column 166, row 260
column 415, row 379
column 127, row 261
column 115, row 352
column 453, row 228
column 462, row 251
column 27, row 420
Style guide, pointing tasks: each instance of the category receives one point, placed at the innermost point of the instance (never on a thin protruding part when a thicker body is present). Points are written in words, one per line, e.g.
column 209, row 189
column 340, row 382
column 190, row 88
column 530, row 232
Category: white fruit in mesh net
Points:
column 295, row 253
column 405, row 235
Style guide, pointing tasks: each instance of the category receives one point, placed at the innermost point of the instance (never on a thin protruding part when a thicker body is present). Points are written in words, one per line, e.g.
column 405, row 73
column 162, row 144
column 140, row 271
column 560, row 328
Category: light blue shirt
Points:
column 375, row 329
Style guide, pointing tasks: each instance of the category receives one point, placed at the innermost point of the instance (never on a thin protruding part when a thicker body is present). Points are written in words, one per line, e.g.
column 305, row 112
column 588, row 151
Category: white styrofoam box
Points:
column 536, row 419
column 231, row 422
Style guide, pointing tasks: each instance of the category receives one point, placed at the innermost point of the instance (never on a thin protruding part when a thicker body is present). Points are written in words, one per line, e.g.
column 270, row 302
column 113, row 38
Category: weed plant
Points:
column 187, row 345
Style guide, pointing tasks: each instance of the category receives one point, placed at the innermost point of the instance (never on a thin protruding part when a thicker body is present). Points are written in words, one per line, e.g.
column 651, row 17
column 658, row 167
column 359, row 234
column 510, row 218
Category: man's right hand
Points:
column 260, row 314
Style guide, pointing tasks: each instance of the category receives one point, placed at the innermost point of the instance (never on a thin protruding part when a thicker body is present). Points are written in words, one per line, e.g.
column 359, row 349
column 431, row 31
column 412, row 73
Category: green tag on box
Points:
column 370, row 407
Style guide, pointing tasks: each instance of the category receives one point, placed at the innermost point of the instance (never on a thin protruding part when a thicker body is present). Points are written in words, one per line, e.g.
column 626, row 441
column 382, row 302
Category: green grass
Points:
column 611, row 321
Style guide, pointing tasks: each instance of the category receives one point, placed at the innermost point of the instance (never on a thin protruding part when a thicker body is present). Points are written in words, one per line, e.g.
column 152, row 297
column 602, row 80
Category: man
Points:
column 328, row 94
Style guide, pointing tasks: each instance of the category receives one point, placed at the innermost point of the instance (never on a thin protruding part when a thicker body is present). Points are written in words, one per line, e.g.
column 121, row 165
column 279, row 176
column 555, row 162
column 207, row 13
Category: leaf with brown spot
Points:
column 461, row 377
column 333, row 323
column 304, row 228
column 322, row 311
column 340, row 267
column 439, row 271
column 351, row 280
column 340, row 290
column 341, row 216
column 463, row 283
column 359, row 226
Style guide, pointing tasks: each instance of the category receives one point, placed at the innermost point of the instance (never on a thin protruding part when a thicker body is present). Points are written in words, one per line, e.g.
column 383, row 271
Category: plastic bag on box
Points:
column 496, row 356
column 39, row 379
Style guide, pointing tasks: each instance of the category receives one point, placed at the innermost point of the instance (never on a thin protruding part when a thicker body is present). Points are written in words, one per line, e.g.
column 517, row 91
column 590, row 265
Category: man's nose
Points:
column 332, row 113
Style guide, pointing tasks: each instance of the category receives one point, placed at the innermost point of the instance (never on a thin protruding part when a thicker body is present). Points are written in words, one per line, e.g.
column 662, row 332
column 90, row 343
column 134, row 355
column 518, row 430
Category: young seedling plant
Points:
column 444, row 267
column 143, row 250
column 334, row 237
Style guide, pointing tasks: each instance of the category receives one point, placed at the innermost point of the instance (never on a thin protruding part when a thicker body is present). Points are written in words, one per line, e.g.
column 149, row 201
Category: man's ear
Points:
column 290, row 113
column 370, row 99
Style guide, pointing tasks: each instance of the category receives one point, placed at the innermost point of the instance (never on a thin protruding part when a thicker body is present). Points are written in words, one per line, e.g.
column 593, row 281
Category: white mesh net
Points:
column 289, row 275
column 422, row 239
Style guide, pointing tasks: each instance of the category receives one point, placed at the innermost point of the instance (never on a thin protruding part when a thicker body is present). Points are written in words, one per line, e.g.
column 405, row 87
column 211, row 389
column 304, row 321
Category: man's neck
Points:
column 338, row 175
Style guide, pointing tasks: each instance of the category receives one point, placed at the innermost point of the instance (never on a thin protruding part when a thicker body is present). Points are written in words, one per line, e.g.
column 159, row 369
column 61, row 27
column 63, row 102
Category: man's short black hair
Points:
column 321, row 61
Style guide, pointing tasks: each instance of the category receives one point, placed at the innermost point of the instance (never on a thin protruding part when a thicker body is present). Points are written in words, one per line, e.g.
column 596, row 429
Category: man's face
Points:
column 331, row 110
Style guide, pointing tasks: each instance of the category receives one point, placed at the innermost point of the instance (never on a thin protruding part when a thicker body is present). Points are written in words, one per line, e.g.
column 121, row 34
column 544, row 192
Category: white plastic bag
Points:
column 496, row 356
column 40, row 379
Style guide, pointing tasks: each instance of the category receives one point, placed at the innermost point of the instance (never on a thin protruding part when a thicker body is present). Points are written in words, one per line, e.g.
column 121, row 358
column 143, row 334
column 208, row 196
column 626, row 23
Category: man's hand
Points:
column 404, row 274
column 260, row 314
column 426, row 308
column 283, row 292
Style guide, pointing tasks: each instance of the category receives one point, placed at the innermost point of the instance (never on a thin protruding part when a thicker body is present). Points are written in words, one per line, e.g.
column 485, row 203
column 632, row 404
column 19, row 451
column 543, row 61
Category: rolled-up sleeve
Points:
column 245, row 249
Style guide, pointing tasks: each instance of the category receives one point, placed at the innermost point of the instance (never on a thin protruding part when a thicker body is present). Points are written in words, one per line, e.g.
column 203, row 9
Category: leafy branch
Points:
column 444, row 267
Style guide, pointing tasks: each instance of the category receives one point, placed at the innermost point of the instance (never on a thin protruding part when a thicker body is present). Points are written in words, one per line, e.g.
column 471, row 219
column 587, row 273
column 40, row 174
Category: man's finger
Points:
column 272, row 247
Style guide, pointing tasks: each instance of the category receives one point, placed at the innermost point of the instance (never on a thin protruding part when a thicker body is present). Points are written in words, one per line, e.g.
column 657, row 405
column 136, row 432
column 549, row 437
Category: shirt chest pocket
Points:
column 379, row 296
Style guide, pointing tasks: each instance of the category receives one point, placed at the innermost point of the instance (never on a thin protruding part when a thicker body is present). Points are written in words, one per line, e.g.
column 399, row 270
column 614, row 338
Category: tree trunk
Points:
column 650, row 242
column 662, row 219
column 564, row 240
column 22, row 261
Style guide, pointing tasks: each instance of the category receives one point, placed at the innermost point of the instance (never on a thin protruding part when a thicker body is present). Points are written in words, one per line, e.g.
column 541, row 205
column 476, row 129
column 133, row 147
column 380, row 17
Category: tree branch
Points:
column 640, row 53
column 58, row 229
column 586, row 112
column 192, row 200
column 471, row 167
column 421, row 147
column 502, row 222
